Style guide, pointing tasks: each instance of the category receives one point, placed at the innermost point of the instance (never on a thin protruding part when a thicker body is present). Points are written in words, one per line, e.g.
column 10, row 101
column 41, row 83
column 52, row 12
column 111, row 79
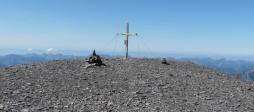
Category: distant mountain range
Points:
column 237, row 68
column 13, row 59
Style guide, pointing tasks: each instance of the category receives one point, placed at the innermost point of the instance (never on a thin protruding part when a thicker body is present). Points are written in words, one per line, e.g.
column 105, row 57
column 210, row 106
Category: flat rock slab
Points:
column 122, row 85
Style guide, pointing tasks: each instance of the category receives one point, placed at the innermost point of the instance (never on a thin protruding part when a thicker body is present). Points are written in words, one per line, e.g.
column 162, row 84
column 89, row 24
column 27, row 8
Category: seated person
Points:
column 95, row 59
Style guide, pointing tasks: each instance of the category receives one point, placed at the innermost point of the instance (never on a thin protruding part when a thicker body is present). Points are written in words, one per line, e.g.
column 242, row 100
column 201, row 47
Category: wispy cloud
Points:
column 29, row 49
column 52, row 50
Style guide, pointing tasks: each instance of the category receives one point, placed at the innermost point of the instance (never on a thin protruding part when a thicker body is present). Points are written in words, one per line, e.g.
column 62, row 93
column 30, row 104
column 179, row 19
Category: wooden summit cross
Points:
column 126, row 41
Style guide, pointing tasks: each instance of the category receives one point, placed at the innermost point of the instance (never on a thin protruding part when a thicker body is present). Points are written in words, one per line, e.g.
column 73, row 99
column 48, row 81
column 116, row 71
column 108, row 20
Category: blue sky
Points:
column 224, row 27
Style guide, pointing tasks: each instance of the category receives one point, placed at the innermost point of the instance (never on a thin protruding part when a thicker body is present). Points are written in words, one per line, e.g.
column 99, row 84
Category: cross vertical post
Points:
column 126, row 41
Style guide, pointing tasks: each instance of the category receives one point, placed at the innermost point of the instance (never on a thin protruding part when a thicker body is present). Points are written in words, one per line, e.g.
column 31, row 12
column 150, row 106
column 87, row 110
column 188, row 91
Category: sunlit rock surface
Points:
column 122, row 85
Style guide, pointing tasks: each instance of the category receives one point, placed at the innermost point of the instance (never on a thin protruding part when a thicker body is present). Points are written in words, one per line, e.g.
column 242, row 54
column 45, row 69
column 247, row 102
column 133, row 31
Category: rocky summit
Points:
column 133, row 85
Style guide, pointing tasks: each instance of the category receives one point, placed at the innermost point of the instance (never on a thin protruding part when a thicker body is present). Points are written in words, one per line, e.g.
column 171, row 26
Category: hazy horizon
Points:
column 148, row 54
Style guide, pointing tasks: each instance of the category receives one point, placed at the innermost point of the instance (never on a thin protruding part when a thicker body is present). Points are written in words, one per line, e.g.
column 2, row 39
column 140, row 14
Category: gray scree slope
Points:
column 132, row 85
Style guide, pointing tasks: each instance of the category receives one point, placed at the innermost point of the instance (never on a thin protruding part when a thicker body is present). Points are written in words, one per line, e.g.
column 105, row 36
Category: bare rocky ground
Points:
column 133, row 85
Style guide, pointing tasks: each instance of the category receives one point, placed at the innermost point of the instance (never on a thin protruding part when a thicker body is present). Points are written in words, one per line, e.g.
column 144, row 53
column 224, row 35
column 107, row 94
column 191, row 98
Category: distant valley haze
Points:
column 148, row 54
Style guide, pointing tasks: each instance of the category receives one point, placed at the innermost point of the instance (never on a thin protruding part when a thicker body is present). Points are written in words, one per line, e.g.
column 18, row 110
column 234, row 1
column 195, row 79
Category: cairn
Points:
column 164, row 61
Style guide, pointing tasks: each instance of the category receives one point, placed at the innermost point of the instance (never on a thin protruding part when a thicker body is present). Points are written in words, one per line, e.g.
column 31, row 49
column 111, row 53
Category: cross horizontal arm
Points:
column 130, row 34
